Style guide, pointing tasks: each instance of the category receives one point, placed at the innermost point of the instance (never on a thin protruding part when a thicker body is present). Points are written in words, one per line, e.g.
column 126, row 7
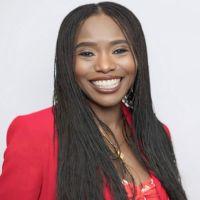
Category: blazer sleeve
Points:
column 21, row 176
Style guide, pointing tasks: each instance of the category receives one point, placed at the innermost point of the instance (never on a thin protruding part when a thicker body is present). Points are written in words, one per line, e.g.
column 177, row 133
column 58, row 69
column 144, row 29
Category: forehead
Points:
column 99, row 28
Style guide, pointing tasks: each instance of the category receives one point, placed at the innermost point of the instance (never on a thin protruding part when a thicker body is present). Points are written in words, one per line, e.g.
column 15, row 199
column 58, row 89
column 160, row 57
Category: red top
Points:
column 150, row 189
column 30, row 159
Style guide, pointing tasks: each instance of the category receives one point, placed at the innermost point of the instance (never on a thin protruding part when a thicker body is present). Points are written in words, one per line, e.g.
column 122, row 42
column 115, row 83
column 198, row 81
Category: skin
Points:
column 105, row 58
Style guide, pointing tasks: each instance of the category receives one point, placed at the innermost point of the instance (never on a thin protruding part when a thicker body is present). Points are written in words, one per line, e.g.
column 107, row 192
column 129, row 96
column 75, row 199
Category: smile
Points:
column 107, row 86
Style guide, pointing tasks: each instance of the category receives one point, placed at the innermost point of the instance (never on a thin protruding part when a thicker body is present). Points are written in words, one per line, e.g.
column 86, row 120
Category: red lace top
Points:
column 150, row 189
column 146, row 191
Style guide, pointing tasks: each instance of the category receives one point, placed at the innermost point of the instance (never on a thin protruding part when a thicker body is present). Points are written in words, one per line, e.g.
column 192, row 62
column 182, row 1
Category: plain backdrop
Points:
column 28, row 34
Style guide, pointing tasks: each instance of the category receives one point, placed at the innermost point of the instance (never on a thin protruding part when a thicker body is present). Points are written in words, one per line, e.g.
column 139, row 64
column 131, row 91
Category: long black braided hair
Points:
column 83, row 156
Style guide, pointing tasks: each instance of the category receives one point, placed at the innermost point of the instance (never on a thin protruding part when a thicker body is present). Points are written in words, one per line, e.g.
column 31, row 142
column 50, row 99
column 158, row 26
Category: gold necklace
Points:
column 119, row 153
column 121, row 156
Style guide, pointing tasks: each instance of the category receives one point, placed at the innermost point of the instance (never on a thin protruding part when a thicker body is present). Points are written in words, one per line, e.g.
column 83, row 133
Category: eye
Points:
column 86, row 54
column 120, row 51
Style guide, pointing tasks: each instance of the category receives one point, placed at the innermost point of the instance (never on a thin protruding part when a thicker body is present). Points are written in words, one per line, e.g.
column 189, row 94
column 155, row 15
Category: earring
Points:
column 128, row 99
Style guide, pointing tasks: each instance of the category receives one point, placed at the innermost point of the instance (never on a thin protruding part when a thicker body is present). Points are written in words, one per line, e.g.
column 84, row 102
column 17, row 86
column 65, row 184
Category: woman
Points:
column 101, row 138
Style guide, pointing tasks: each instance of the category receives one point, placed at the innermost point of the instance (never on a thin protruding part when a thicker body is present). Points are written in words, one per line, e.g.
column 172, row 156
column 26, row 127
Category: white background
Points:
column 28, row 33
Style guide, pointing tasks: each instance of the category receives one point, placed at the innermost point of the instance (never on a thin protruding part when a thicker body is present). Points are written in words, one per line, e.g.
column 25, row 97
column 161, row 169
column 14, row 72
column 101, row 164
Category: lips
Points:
column 107, row 85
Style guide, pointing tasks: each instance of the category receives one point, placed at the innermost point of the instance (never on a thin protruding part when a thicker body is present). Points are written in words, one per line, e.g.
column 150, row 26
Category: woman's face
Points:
column 104, row 66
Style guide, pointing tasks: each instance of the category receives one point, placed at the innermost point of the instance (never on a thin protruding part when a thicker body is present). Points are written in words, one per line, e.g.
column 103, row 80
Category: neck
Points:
column 111, row 116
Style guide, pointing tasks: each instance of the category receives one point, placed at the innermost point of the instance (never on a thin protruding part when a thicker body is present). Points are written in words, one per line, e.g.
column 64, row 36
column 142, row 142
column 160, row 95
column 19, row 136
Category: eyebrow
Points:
column 114, row 42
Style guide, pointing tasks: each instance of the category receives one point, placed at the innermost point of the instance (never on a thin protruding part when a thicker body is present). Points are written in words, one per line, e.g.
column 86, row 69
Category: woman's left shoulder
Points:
column 167, row 131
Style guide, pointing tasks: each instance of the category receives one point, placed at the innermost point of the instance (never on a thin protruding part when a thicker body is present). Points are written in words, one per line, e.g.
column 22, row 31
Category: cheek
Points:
column 130, row 69
column 81, row 69
column 128, row 65
column 77, row 68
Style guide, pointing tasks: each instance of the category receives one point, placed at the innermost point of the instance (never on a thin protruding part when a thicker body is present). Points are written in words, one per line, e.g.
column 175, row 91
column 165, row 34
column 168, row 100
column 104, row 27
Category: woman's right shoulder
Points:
column 30, row 147
column 35, row 126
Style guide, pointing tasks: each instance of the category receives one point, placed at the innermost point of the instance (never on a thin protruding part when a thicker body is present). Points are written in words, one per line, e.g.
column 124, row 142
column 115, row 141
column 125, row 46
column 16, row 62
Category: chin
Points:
column 106, row 104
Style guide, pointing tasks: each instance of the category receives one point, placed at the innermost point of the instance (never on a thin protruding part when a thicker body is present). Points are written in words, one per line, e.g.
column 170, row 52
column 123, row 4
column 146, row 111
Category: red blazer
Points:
column 30, row 159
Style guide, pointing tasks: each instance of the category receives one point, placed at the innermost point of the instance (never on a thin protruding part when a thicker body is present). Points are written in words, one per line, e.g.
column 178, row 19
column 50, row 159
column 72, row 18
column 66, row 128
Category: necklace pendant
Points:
column 124, row 181
column 120, row 154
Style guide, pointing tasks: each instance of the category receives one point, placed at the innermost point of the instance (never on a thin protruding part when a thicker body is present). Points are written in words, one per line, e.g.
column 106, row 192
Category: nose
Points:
column 104, row 63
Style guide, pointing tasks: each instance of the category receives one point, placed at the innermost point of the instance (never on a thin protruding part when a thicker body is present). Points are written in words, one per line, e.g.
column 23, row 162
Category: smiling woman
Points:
column 101, row 138
column 104, row 66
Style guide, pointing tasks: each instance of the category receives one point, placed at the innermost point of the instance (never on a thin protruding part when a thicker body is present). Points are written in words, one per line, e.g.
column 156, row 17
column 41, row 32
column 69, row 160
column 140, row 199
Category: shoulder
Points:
column 29, row 149
column 37, row 118
column 32, row 127
column 167, row 131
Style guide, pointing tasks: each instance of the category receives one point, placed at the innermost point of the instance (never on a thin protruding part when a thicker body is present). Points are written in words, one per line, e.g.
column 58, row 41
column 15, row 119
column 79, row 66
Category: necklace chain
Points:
column 120, row 155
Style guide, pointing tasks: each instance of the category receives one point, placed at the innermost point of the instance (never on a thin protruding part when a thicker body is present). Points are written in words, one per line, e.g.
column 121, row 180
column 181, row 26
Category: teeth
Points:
column 106, row 83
